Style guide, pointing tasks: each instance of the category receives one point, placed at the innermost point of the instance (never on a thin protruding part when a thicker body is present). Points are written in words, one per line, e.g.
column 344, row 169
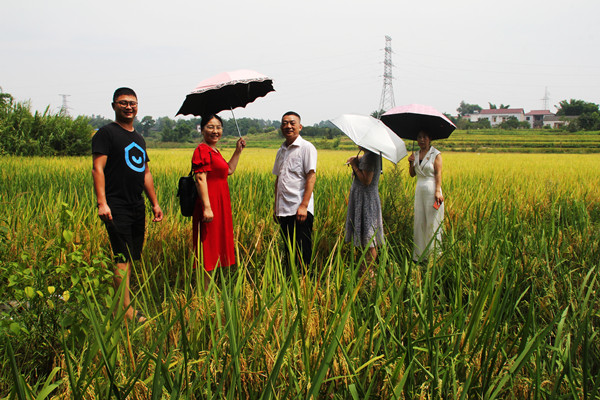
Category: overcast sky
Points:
column 325, row 57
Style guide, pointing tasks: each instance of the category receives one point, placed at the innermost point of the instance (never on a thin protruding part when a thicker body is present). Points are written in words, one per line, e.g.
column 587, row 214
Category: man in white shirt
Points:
column 295, row 168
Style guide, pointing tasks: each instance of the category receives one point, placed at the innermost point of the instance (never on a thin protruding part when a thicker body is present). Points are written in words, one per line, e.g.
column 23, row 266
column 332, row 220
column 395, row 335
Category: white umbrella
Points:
column 373, row 135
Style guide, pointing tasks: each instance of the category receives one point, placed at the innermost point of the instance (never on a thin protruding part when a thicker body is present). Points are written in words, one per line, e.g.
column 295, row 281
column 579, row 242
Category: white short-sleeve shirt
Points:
column 292, row 164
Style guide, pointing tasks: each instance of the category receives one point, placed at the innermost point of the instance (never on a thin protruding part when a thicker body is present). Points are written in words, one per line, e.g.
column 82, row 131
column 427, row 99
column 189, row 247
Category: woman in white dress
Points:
column 429, row 200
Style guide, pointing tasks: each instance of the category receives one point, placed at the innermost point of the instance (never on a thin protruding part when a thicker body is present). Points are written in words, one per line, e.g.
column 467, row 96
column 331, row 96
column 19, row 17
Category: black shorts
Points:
column 126, row 233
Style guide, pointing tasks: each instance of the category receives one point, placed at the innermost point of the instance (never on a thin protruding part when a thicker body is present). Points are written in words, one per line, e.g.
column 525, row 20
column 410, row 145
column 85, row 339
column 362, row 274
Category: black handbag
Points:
column 187, row 194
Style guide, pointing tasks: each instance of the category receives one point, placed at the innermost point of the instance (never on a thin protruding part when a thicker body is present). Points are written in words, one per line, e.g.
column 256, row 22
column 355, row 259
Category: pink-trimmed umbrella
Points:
column 407, row 121
column 226, row 91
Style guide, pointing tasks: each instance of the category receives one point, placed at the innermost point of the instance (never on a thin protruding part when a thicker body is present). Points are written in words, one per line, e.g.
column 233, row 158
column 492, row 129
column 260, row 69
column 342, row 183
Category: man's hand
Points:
column 158, row 214
column 104, row 212
column 302, row 213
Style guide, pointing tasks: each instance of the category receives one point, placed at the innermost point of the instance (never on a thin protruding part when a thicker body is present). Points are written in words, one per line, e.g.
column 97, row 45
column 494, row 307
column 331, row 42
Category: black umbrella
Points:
column 407, row 121
column 226, row 91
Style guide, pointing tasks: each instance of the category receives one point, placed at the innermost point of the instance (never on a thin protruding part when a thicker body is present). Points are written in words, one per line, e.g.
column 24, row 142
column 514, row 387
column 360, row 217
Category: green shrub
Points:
column 43, row 298
column 41, row 134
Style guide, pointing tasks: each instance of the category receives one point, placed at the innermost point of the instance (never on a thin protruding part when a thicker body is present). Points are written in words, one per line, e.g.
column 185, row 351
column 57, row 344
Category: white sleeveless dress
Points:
column 428, row 220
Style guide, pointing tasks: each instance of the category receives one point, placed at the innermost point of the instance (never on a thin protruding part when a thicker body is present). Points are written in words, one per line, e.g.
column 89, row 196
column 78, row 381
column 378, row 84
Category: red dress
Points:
column 216, row 236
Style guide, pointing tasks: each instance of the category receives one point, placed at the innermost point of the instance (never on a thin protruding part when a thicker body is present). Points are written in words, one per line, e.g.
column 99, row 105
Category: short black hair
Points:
column 292, row 113
column 425, row 132
column 123, row 91
column 206, row 118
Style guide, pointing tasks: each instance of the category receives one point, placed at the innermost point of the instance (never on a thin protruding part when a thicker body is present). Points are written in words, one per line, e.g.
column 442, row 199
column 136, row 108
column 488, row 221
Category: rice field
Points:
column 509, row 310
column 523, row 142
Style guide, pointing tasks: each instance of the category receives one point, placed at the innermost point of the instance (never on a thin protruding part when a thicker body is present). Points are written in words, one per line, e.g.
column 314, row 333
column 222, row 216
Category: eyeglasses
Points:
column 214, row 127
column 124, row 103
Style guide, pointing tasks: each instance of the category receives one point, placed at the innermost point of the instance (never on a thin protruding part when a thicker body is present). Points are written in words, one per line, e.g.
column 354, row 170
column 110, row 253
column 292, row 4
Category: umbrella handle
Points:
column 236, row 124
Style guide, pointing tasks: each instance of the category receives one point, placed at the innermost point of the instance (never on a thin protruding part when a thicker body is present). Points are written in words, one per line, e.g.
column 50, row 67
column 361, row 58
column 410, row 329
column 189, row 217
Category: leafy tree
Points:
column 309, row 131
column 248, row 126
column 195, row 124
column 146, row 124
column 314, row 131
column 466, row 109
column 98, row 121
column 167, row 132
column 587, row 113
column 183, row 130
column 230, row 128
column 573, row 126
column 509, row 123
column 465, row 124
column 525, row 125
column 326, row 124
column 575, row 107
column 589, row 121
column 5, row 99
column 162, row 123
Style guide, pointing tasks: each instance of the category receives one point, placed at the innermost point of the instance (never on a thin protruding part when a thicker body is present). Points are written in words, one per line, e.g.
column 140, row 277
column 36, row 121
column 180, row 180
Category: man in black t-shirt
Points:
column 120, row 175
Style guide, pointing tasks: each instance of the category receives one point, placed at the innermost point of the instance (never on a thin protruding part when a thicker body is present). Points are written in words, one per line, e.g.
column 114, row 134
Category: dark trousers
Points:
column 302, row 245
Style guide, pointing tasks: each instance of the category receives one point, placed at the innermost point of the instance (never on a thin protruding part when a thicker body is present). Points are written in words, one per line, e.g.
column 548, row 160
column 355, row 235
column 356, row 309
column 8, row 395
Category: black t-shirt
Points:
column 125, row 165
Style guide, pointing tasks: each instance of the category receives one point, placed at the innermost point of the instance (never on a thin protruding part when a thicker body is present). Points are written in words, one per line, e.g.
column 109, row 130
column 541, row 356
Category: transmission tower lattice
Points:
column 64, row 109
column 387, row 94
column 546, row 99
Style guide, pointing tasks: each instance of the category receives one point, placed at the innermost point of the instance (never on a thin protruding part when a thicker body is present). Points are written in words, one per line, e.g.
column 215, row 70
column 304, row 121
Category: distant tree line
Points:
column 166, row 129
column 25, row 133
column 46, row 134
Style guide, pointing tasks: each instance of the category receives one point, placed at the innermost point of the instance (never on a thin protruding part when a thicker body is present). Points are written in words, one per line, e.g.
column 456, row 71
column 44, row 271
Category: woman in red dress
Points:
column 212, row 214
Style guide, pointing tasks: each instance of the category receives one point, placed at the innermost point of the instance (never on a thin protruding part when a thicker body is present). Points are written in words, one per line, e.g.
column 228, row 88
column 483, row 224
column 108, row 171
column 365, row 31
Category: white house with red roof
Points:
column 536, row 118
column 498, row 116
column 540, row 118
